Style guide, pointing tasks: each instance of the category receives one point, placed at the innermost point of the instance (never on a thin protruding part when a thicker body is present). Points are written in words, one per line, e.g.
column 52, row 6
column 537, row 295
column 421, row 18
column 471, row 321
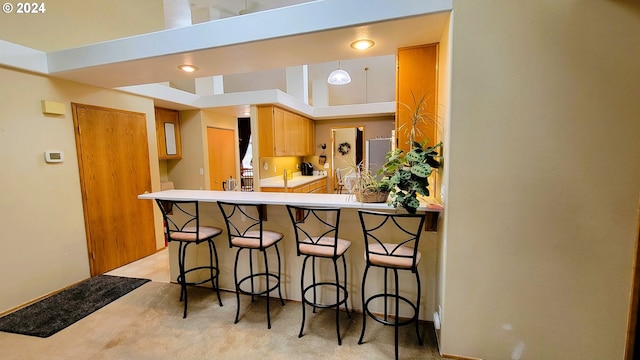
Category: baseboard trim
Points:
column 16, row 308
column 456, row 357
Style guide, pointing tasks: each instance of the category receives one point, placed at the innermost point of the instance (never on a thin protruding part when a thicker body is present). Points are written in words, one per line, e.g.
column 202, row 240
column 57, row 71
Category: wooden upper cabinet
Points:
column 280, row 138
column 283, row 133
column 417, row 77
column 168, row 134
column 310, row 131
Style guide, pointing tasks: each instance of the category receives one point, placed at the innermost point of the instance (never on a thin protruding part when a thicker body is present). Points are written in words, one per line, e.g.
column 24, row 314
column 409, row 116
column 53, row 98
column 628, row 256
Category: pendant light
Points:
column 339, row 77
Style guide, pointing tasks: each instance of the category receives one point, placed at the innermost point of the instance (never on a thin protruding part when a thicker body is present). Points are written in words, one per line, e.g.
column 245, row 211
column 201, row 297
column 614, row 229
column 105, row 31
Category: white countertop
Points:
column 297, row 180
column 277, row 198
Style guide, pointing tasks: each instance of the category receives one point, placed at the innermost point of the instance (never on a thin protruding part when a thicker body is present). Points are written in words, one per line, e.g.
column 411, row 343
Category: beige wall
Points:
column 544, row 175
column 442, row 175
column 43, row 241
column 64, row 24
column 185, row 173
column 211, row 118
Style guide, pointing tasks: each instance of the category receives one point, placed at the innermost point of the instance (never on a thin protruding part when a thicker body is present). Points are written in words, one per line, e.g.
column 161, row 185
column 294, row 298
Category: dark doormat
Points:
column 48, row 316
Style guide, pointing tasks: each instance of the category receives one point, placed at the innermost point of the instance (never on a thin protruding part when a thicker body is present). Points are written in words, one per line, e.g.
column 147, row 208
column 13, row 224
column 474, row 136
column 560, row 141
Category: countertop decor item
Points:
column 322, row 159
column 365, row 186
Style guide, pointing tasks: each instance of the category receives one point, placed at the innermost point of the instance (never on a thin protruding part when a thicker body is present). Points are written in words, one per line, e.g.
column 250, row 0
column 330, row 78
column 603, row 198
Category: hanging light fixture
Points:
column 339, row 77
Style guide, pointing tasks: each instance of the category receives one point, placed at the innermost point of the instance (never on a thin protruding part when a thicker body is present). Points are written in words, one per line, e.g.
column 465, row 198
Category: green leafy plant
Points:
column 407, row 173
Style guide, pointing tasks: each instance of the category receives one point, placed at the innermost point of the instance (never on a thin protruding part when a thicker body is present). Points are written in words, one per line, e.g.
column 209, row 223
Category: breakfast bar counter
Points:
column 277, row 219
column 271, row 198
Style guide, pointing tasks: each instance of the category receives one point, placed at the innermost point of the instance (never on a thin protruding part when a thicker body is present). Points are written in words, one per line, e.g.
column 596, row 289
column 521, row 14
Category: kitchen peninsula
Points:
column 277, row 219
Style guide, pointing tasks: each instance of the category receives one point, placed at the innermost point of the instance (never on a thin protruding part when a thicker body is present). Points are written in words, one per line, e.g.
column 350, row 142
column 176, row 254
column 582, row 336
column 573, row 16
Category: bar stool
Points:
column 182, row 225
column 391, row 243
column 245, row 231
column 316, row 232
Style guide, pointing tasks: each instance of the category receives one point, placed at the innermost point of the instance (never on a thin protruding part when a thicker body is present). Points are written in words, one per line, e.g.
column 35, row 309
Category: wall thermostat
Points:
column 53, row 156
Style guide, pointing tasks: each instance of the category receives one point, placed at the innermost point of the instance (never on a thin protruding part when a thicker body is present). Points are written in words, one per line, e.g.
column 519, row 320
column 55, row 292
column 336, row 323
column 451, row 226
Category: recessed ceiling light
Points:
column 362, row 44
column 188, row 68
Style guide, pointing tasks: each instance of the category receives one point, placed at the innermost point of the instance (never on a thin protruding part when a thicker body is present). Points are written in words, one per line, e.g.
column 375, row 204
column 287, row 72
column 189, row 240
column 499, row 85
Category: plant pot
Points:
column 372, row 196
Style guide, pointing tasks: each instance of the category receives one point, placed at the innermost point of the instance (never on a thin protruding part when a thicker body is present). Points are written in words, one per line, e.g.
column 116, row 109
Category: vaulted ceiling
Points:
column 253, row 44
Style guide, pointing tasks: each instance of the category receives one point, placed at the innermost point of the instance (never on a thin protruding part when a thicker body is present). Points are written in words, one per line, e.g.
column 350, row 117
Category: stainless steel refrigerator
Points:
column 376, row 150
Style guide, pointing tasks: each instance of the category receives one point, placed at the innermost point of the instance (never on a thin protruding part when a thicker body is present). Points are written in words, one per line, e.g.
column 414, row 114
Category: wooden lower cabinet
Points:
column 317, row 186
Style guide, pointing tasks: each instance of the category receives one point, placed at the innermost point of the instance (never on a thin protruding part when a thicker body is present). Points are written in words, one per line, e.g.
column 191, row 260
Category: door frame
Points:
column 236, row 150
column 360, row 145
column 632, row 322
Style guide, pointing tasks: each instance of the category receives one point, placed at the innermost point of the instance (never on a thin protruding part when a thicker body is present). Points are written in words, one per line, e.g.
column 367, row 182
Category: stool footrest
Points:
column 383, row 319
column 208, row 279
column 256, row 276
column 342, row 299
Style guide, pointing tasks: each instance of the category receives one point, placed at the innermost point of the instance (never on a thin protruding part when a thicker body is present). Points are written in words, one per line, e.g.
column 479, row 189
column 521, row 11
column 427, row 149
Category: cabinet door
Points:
column 283, row 133
column 280, row 137
column 311, row 137
column 168, row 134
column 266, row 131
column 417, row 77
column 271, row 189
column 307, row 137
column 294, row 134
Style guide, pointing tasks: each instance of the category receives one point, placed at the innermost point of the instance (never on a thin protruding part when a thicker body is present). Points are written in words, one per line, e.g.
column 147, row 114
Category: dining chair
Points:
column 339, row 181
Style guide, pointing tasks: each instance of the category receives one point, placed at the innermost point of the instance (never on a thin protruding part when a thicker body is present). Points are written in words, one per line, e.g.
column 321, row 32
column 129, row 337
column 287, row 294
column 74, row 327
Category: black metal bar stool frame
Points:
column 183, row 231
column 314, row 246
column 251, row 236
column 400, row 255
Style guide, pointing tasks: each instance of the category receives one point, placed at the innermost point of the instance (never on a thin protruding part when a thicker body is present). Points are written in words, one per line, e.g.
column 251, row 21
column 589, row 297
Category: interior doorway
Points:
column 347, row 150
column 113, row 158
column 221, row 146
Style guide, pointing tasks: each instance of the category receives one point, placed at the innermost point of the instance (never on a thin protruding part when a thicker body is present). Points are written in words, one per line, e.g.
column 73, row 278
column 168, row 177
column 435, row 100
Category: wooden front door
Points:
column 222, row 149
column 113, row 157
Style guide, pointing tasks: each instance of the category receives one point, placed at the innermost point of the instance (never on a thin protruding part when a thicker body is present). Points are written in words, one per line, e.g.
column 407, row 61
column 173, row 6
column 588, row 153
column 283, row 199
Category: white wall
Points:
column 43, row 236
column 544, row 178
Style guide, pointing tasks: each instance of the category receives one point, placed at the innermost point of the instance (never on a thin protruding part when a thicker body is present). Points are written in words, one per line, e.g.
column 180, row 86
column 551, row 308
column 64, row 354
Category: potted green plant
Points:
column 407, row 174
